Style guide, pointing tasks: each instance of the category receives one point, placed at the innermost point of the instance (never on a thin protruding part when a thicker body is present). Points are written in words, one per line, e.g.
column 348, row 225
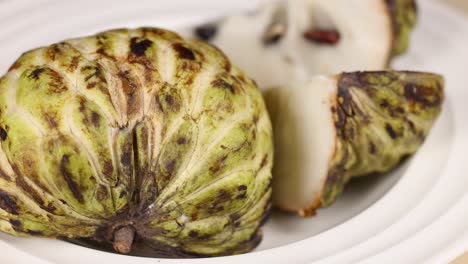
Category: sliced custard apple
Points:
column 333, row 128
column 293, row 40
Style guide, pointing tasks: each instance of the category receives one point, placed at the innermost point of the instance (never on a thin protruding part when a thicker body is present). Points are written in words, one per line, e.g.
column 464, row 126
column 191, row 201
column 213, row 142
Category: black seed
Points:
column 3, row 134
column 206, row 32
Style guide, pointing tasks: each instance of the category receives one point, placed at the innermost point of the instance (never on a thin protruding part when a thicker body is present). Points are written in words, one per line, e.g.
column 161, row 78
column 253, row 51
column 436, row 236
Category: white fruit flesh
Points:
column 365, row 41
column 365, row 35
column 304, row 141
column 240, row 37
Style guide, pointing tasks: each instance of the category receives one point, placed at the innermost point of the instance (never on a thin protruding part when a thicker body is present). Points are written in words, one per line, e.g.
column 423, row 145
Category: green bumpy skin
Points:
column 138, row 131
column 380, row 118
column 404, row 17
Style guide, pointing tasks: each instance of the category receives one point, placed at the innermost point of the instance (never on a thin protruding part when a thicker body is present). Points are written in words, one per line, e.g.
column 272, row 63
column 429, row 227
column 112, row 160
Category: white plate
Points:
column 416, row 213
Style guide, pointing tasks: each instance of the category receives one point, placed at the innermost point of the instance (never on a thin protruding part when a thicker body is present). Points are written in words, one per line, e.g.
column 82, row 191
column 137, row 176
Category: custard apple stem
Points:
column 123, row 239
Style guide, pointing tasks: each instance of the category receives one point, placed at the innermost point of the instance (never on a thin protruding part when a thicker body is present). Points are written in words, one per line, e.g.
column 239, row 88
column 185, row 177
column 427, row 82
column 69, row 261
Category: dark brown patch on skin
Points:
column 122, row 194
column 421, row 136
column 31, row 167
column 95, row 118
column 390, row 131
column 35, row 73
column 264, row 162
column 139, row 47
column 102, row 193
column 206, row 32
column 181, row 140
column 52, row 51
column 425, row 96
column 108, row 169
column 8, row 204
column 3, row 134
column 56, row 85
column 193, row 233
column 74, row 63
column 372, row 148
column 128, row 84
column 220, row 83
column 220, row 164
column 126, row 158
column 50, row 119
column 22, row 184
column 400, row 110
column 241, row 196
column 97, row 73
column 170, row 166
column 266, row 213
column 72, row 185
column 322, row 36
column 169, row 99
column 242, row 188
column 34, row 233
column 223, row 196
column 411, row 126
column 183, row 52
column 194, row 215
column 385, row 104
column 91, row 85
column 16, row 224
column 3, row 175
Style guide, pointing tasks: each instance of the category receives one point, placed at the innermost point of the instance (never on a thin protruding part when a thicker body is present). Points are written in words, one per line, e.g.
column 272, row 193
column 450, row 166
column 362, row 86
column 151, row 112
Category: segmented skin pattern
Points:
column 380, row 118
column 135, row 127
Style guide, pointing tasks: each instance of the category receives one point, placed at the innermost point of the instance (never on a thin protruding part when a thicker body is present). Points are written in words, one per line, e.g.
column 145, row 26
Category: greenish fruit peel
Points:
column 331, row 129
column 134, row 136
column 404, row 18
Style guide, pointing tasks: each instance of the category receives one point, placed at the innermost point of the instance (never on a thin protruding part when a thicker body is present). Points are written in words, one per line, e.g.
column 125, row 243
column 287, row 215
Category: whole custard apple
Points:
column 134, row 136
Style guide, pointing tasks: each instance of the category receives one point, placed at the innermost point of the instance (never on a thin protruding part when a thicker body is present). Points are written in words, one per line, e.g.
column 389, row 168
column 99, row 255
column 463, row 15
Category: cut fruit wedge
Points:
column 330, row 129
